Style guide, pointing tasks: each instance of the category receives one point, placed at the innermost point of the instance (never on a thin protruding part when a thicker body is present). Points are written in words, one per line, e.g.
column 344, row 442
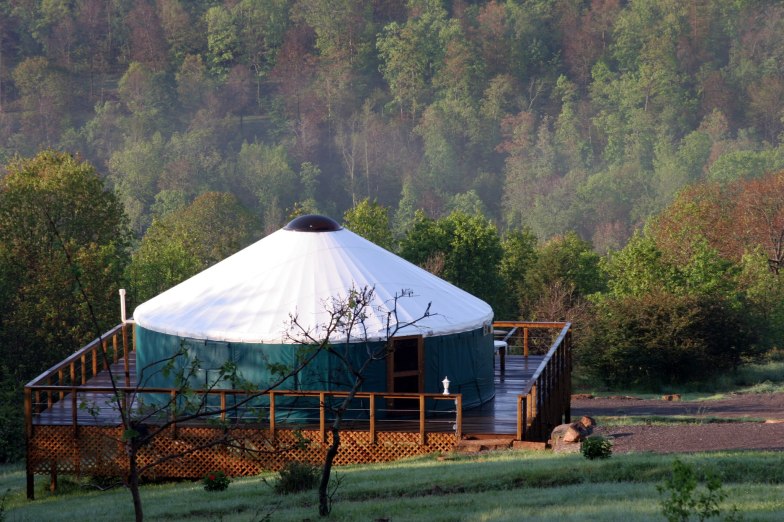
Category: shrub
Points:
column 681, row 499
column 296, row 477
column 215, row 481
column 663, row 338
column 596, row 448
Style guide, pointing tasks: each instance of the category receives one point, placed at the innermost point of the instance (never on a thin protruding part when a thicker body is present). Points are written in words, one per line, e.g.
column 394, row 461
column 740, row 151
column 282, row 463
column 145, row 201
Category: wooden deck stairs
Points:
column 477, row 444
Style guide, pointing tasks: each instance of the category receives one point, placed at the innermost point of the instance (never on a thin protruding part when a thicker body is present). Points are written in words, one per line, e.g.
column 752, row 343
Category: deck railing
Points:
column 99, row 403
column 75, row 371
column 545, row 400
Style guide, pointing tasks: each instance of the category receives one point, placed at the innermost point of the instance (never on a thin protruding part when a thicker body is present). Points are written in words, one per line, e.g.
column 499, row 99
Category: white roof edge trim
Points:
column 225, row 337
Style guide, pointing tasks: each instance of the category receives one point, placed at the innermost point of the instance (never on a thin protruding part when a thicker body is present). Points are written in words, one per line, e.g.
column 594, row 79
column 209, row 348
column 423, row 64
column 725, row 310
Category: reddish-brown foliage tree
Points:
column 759, row 217
column 586, row 35
column 148, row 43
column 734, row 219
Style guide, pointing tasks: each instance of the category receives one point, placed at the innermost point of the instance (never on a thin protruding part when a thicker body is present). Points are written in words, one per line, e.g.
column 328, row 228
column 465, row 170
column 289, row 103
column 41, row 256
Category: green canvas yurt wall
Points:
column 466, row 358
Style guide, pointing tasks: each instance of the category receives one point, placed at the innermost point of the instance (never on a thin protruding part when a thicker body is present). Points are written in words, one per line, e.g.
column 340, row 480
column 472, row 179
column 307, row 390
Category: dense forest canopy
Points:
column 560, row 115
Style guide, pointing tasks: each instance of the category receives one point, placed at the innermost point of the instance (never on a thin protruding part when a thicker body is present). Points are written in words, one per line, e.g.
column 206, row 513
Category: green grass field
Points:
column 495, row 486
column 766, row 377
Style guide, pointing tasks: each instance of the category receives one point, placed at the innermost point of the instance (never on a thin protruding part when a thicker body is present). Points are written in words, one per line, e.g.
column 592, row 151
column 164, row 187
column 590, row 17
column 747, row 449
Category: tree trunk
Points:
column 324, row 501
column 133, row 484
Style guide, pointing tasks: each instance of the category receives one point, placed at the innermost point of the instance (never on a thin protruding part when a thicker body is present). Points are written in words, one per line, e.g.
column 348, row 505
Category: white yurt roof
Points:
column 251, row 295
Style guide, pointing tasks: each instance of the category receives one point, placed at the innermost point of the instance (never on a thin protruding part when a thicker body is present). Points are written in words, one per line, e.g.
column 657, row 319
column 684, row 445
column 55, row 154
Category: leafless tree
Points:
column 346, row 331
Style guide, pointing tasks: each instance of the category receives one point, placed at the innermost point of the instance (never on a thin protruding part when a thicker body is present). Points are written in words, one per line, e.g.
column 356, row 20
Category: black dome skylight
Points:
column 313, row 223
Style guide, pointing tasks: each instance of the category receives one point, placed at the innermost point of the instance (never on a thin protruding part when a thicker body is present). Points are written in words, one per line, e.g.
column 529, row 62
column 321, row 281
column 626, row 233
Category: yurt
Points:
column 242, row 311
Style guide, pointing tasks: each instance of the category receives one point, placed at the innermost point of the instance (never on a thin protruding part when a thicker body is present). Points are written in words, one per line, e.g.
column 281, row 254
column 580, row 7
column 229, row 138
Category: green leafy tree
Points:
column 193, row 84
column 520, row 253
column 448, row 129
column 58, row 225
column 184, row 242
column 135, row 170
column 564, row 272
column 51, row 204
column 371, row 221
column 264, row 171
column 463, row 249
column 147, row 96
column 412, row 53
column 45, row 93
column 567, row 258
column 222, row 40
column 746, row 164
column 763, row 293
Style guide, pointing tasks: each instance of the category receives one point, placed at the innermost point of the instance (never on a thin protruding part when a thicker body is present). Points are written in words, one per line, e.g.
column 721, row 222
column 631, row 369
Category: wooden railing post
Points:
column 568, row 378
column 223, row 405
column 525, row 342
column 83, row 359
column 459, row 417
column 49, row 400
column 520, row 418
column 28, row 408
column 125, row 354
column 531, row 408
column 60, row 379
column 105, row 348
column 372, row 416
column 422, row 438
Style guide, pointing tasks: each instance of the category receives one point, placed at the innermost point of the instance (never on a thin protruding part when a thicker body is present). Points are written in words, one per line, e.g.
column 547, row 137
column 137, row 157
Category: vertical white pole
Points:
column 122, row 305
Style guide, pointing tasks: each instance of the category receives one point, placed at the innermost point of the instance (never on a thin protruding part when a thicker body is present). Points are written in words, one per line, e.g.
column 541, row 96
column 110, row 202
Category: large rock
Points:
column 567, row 437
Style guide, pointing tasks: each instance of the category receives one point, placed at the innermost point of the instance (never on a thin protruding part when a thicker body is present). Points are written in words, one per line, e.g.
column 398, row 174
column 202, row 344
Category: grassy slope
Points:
column 494, row 486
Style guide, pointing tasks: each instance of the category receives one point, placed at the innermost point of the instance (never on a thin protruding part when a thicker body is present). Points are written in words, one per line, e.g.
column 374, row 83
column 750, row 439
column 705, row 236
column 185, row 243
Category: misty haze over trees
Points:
column 561, row 115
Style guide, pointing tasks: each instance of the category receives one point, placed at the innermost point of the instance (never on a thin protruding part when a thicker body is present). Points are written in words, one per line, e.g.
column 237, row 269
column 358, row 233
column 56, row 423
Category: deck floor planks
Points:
column 495, row 417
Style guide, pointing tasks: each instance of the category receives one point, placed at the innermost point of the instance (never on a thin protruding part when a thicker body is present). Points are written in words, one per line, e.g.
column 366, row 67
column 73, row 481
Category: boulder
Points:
column 567, row 437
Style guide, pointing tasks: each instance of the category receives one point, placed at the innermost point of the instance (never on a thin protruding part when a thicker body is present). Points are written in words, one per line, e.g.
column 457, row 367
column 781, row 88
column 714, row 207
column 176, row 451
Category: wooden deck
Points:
column 498, row 416
column 72, row 425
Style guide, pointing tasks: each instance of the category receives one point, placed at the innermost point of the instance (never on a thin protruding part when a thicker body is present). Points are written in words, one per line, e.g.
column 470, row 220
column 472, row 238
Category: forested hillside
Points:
column 583, row 115
column 613, row 163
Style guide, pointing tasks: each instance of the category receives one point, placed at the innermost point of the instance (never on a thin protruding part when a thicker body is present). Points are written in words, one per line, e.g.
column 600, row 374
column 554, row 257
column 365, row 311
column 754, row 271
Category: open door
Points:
column 406, row 370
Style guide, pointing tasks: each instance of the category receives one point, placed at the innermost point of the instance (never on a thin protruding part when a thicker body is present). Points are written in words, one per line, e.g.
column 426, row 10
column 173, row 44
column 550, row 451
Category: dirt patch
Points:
column 690, row 437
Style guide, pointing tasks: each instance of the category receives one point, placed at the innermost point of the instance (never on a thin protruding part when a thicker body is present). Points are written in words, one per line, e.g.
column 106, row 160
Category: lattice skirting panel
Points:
column 97, row 450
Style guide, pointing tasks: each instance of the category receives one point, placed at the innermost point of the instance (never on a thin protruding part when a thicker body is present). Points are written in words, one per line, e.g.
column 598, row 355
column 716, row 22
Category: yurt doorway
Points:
column 406, row 369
